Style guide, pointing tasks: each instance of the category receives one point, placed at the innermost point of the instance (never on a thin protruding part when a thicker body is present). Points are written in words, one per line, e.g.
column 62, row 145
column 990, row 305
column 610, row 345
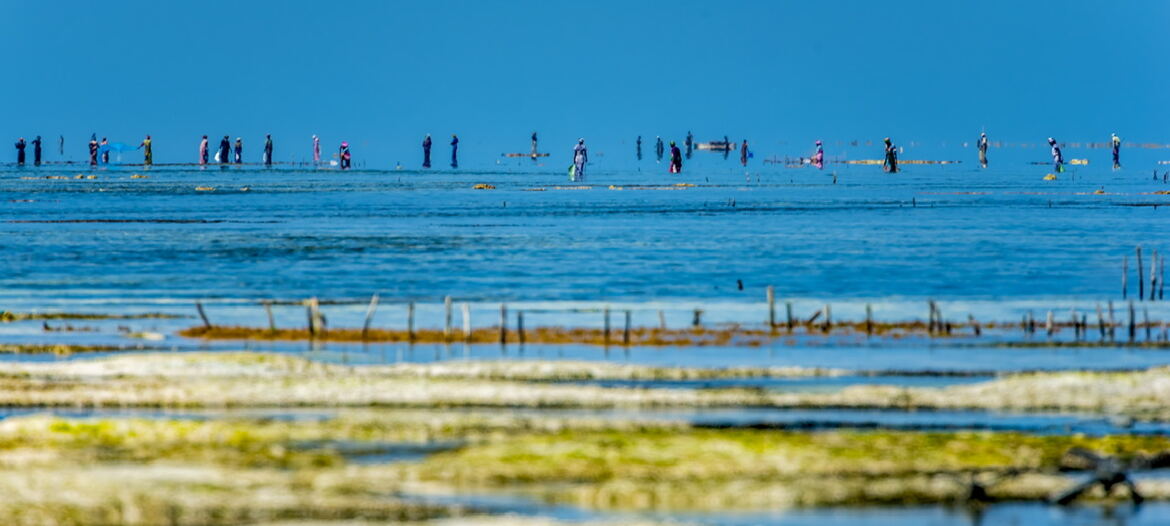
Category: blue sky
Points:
column 381, row 74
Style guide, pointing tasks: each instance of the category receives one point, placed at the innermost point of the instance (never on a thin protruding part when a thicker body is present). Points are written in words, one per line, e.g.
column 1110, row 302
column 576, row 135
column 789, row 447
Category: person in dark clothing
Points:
column 534, row 150
column 20, row 151
column 743, row 153
column 343, row 158
column 658, row 149
column 239, row 153
column 1115, row 142
column 93, row 150
column 268, row 150
column 983, row 149
column 1057, row 156
column 675, row 158
column 427, row 151
column 147, row 152
column 225, row 150
column 61, row 145
column 891, row 162
column 727, row 147
column 454, row 151
column 690, row 143
column 105, row 147
column 37, row 151
column 639, row 147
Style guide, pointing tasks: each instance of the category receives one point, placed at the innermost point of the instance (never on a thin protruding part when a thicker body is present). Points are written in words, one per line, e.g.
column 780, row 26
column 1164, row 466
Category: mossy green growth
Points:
column 737, row 468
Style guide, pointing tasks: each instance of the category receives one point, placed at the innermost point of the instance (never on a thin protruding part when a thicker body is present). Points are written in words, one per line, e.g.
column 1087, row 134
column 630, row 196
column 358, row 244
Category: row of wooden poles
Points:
column 317, row 322
column 822, row 318
column 1157, row 276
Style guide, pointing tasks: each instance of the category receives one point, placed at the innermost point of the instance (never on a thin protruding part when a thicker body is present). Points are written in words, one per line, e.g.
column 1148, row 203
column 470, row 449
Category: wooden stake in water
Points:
column 975, row 327
column 827, row 325
column 1153, row 276
column 1112, row 322
column 1049, row 326
column 271, row 320
column 661, row 320
column 1146, row 321
column 605, row 324
column 410, row 321
column 1100, row 321
column 466, row 321
column 791, row 322
column 626, row 332
column 1141, row 275
column 202, row 315
column 503, row 324
column 868, row 319
column 314, row 313
column 771, row 294
column 1132, row 322
column 520, row 326
column 697, row 320
column 370, row 310
column 447, row 318
column 1124, row 276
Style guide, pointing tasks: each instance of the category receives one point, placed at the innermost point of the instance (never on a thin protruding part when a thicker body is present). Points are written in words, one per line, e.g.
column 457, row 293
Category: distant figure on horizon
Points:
column 690, row 143
column 727, row 147
column 268, row 150
column 316, row 150
column 983, row 149
column 343, row 157
column 93, row 150
column 147, row 153
column 658, row 149
column 743, row 153
column 580, row 159
column 61, row 145
column 20, row 151
column 238, row 155
column 818, row 159
column 105, row 151
column 675, row 158
column 37, row 151
column 225, row 150
column 891, row 162
column 454, row 151
column 203, row 150
column 639, row 143
column 427, row 151
column 534, row 150
column 1057, row 157
column 1116, row 142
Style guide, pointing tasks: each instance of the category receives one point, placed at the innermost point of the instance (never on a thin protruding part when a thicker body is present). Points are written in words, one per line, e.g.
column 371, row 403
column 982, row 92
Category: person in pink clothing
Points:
column 203, row 150
column 818, row 159
column 316, row 150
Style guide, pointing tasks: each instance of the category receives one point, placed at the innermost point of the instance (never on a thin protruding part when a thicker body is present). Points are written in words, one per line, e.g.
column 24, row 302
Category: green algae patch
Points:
column 732, row 469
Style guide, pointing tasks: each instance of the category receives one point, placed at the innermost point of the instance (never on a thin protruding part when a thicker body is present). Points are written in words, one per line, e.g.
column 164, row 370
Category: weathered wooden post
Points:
column 697, row 320
column 605, row 325
column 1153, row 276
column 868, row 319
column 1100, row 321
column 503, row 324
column 1141, row 276
column 1049, row 326
column 271, row 319
column 771, row 294
column 466, row 308
column 626, row 332
column 827, row 324
column 314, row 308
column 202, row 315
column 1132, row 323
column 661, row 320
column 978, row 330
column 1112, row 322
column 447, row 318
column 373, row 307
column 1124, row 276
column 410, row 321
column 520, row 326
column 791, row 322
column 1146, row 321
